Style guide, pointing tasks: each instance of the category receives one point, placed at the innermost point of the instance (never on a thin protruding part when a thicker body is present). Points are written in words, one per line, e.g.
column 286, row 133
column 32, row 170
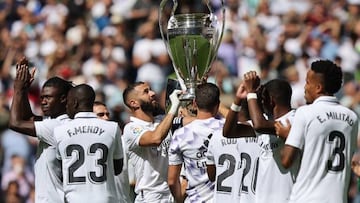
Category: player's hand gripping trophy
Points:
column 192, row 41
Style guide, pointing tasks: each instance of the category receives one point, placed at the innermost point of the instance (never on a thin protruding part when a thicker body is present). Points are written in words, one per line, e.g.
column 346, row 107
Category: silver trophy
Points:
column 192, row 41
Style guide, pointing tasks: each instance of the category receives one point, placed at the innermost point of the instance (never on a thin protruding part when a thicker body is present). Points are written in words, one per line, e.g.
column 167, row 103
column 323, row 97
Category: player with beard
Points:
column 147, row 138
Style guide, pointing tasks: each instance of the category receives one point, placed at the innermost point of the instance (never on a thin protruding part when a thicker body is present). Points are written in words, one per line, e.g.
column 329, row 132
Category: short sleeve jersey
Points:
column 122, row 180
column 326, row 134
column 150, row 163
column 189, row 145
column 87, row 147
column 274, row 182
column 236, row 161
column 48, row 183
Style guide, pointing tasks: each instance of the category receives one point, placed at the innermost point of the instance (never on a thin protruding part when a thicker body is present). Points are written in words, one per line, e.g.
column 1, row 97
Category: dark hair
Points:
column 207, row 96
column 331, row 75
column 99, row 103
column 128, row 90
column 280, row 90
column 62, row 85
column 85, row 94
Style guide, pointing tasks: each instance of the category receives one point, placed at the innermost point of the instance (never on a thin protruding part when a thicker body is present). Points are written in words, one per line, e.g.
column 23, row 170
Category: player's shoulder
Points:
column 49, row 121
column 132, row 130
column 110, row 124
column 217, row 137
column 349, row 111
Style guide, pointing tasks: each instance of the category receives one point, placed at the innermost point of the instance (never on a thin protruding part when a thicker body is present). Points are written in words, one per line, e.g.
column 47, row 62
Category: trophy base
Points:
column 187, row 97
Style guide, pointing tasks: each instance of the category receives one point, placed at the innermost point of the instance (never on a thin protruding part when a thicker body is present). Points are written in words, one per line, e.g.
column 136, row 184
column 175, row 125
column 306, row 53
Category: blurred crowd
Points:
column 111, row 43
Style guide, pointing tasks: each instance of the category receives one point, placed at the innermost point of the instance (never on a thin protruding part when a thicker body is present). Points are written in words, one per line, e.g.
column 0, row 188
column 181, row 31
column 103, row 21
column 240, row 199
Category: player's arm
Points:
column 210, row 160
column 288, row 155
column 155, row 137
column 118, row 166
column 294, row 136
column 118, row 152
column 260, row 124
column 21, row 116
column 174, row 182
column 211, row 171
column 235, row 123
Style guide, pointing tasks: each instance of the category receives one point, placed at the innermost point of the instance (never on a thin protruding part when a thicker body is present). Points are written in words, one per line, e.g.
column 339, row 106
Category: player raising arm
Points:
column 48, row 184
column 147, row 138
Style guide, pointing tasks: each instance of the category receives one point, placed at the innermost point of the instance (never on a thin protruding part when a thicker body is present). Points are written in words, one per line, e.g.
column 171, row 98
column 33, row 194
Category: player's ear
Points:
column 63, row 98
column 319, row 88
column 76, row 104
column 272, row 102
column 134, row 104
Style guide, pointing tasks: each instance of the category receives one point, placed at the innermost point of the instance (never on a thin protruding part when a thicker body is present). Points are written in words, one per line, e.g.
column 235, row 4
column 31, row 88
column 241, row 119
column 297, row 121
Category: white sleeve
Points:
column 210, row 160
column 132, row 134
column 118, row 153
column 296, row 137
column 175, row 157
column 45, row 130
column 58, row 154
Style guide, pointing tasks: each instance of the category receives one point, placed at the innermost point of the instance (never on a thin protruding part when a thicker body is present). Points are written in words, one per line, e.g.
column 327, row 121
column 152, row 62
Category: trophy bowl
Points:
column 192, row 41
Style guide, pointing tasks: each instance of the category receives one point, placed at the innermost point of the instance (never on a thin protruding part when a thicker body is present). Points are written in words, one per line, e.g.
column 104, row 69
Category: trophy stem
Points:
column 190, row 93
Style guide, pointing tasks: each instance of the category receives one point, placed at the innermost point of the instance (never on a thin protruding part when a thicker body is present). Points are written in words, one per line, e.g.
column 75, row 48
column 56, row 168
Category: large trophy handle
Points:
column 164, row 22
column 221, row 33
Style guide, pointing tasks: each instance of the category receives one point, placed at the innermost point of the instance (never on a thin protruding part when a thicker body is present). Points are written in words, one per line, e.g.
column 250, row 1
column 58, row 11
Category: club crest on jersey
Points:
column 137, row 130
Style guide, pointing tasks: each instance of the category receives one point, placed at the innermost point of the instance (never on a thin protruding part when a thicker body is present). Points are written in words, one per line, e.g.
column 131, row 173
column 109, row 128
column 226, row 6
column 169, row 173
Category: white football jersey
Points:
column 236, row 161
column 122, row 180
column 274, row 182
column 48, row 183
column 87, row 147
column 326, row 133
column 249, row 151
column 189, row 146
column 150, row 163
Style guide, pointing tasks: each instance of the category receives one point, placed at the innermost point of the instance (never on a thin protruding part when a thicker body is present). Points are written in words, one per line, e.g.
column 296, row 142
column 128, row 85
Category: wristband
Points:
column 234, row 107
column 251, row 96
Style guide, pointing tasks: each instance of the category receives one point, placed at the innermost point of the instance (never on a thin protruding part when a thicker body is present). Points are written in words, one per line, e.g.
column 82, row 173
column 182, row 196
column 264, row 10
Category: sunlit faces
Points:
column 101, row 112
column 51, row 101
column 312, row 86
column 146, row 98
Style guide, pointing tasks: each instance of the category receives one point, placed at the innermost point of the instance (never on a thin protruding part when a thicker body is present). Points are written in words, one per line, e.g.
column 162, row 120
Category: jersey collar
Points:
column 85, row 115
column 331, row 99
column 139, row 121
column 287, row 115
column 62, row 117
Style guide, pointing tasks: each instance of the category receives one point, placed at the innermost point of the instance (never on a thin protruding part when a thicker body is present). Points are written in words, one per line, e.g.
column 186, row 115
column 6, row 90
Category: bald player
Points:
column 90, row 150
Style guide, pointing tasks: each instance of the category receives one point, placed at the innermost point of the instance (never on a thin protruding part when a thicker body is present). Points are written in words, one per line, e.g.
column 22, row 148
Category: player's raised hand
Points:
column 175, row 102
column 22, row 78
column 251, row 81
column 241, row 92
